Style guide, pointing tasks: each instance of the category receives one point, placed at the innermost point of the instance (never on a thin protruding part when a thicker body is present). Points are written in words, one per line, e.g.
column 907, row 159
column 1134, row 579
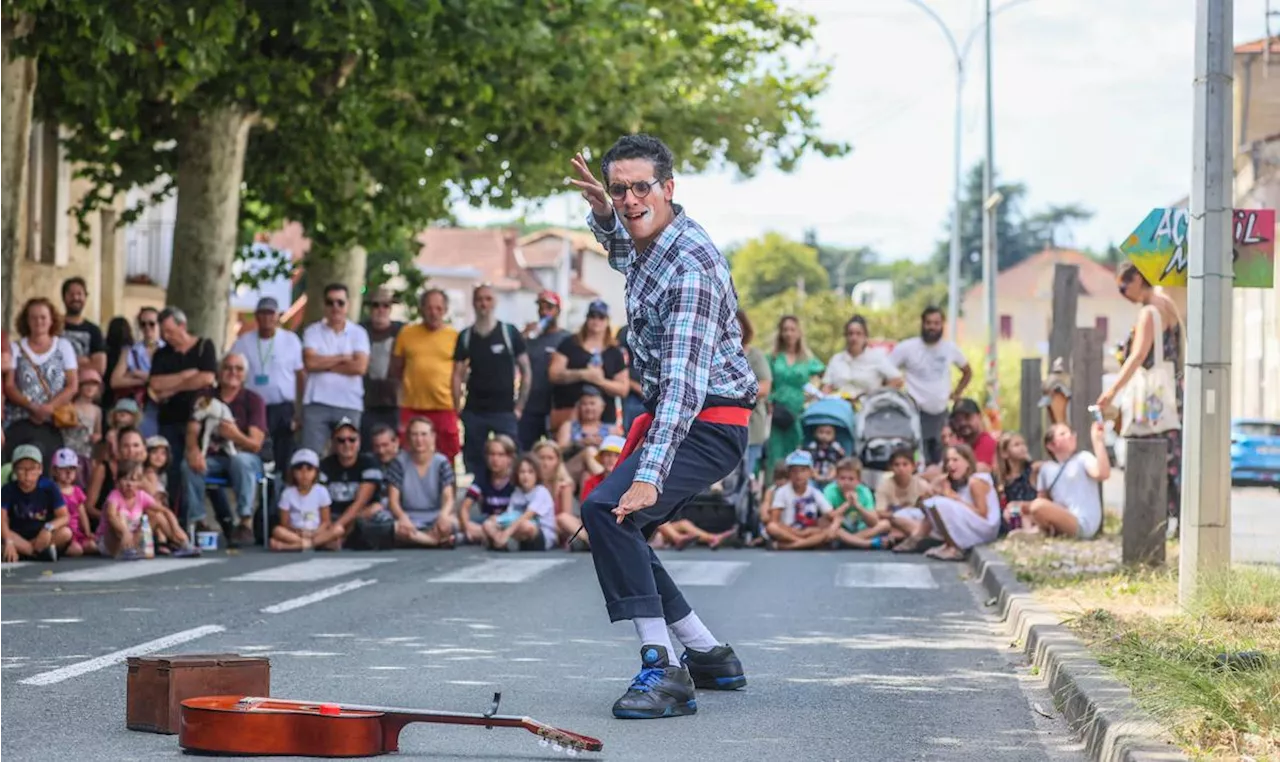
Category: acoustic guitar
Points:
column 270, row 726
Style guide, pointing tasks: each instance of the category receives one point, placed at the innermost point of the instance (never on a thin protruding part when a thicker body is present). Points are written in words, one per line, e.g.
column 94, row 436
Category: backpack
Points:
column 503, row 328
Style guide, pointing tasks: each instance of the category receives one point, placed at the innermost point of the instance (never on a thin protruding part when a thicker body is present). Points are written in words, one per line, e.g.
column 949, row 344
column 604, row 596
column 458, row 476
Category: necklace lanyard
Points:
column 265, row 360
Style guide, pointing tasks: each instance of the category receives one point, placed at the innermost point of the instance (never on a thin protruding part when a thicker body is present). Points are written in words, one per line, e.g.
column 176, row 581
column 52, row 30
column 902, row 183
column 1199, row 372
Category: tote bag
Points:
column 1149, row 403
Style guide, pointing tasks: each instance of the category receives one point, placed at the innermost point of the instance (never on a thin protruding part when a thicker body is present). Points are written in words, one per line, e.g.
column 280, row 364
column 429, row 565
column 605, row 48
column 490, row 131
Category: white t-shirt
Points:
column 858, row 375
column 928, row 371
column 335, row 389
column 1075, row 489
column 539, row 501
column 273, row 364
column 60, row 345
column 304, row 510
column 803, row 510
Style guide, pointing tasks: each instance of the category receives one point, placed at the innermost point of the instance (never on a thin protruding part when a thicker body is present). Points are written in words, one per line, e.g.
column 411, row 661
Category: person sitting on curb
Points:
column 1070, row 501
column 860, row 526
column 421, row 497
column 34, row 514
column 353, row 480
column 305, row 522
column 800, row 517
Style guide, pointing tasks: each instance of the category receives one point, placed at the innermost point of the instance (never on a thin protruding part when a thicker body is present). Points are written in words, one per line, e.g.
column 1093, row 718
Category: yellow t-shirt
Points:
column 428, row 366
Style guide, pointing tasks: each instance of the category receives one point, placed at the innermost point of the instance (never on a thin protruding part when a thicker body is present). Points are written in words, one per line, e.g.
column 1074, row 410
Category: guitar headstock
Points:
column 573, row 742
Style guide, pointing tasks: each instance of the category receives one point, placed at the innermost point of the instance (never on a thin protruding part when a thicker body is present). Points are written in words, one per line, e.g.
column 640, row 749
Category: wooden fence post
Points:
column 1086, row 381
column 1146, row 505
column 1030, row 417
column 1066, row 293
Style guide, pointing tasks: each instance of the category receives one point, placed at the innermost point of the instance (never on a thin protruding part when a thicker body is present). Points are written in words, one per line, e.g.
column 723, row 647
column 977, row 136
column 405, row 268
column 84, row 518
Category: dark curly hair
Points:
column 644, row 147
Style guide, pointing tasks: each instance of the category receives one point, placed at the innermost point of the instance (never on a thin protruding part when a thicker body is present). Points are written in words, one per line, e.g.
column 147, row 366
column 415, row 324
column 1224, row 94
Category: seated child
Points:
column 529, row 523
column 171, row 538
column 826, row 453
column 34, row 514
column 860, row 527
column 555, row 477
column 120, row 531
column 305, row 522
column 491, row 490
column 800, row 517
column 66, row 472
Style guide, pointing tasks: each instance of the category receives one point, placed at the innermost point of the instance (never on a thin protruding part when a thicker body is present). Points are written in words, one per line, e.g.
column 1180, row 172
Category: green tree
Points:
column 768, row 266
column 1014, row 241
column 376, row 115
column 822, row 316
column 1052, row 226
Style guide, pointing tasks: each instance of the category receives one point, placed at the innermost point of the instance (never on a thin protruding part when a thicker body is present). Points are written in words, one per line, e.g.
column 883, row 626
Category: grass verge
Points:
column 1210, row 673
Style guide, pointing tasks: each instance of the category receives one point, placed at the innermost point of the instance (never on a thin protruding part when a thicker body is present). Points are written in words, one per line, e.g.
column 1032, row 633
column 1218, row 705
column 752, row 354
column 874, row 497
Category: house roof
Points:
column 581, row 239
column 485, row 250
column 1257, row 46
column 1033, row 276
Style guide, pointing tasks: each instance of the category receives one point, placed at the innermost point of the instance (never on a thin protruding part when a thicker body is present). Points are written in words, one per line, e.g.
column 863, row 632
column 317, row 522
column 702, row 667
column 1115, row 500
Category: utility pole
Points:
column 1206, row 441
column 989, row 247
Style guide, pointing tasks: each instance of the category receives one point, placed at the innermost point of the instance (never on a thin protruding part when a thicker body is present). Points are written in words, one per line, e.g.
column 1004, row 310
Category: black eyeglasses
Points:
column 335, row 302
column 147, row 323
column 641, row 188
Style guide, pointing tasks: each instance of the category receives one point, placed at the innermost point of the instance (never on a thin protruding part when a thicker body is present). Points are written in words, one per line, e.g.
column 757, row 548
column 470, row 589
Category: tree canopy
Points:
column 765, row 267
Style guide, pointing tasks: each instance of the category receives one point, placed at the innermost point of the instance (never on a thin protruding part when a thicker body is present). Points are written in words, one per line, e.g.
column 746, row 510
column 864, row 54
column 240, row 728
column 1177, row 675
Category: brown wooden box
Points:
column 158, row 685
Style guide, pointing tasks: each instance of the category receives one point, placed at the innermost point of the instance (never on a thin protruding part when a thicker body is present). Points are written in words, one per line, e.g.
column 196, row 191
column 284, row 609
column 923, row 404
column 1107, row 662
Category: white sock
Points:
column 653, row 632
column 694, row 634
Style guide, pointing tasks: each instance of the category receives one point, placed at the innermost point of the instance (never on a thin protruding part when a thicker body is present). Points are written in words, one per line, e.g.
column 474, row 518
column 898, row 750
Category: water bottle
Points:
column 543, row 323
column 148, row 541
column 1015, row 516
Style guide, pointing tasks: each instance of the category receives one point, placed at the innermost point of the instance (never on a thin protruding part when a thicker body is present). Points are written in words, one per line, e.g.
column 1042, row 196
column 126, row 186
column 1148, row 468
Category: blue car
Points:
column 1255, row 453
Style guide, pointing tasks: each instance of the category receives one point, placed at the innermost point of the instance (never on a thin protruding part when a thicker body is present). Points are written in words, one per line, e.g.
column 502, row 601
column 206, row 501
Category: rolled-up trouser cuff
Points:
column 639, row 607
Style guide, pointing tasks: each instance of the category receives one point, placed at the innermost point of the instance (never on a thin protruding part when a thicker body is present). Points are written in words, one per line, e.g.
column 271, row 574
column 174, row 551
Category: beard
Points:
column 930, row 337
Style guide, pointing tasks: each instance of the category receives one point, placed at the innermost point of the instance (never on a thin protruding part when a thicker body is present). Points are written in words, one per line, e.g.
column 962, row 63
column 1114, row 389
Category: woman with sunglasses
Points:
column 593, row 358
column 129, row 375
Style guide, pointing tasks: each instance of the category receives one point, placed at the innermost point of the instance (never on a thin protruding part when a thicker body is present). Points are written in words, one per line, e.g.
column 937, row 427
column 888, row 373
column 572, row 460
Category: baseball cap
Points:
column 550, row 297
column 66, row 458
column 966, row 406
column 612, row 443
column 90, row 376
column 800, row 458
column 27, row 452
column 598, row 306
column 126, row 406
column 157, row 441
column 305, row 457
column 345, row 423
column 267, row 304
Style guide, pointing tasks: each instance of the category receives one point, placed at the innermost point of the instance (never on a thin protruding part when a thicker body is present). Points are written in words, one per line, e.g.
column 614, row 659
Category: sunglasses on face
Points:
column 345, row 440
column 335, row 302
column 147, row 323
column 640, row 188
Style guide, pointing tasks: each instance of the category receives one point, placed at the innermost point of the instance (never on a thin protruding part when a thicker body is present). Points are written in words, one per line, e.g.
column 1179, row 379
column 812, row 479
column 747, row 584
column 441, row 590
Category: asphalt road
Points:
column 850, row 656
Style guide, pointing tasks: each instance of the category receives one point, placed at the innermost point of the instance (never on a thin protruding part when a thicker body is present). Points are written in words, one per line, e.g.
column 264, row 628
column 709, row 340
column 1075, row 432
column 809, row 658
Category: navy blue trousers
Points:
column 631, row 577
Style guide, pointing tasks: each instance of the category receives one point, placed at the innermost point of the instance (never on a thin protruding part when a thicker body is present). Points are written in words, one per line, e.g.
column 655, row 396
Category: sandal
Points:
column 909, row 545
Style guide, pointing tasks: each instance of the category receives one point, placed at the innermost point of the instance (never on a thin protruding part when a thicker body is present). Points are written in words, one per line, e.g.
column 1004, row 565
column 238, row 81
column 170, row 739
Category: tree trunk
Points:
column 19, row 87
column 210, row 166
column 346, row 267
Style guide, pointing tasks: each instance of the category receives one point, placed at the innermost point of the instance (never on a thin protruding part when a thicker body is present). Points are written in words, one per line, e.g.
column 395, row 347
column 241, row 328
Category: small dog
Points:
column 210, row 412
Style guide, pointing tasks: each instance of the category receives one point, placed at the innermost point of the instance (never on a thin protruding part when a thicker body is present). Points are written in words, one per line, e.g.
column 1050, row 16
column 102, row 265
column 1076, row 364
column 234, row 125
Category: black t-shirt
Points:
column 343, row 482
column 566, row 395
column 29, row 511
column 491, row 385
column 540, row 350
column 489, row 499
column 168, row 361
column 86, row 337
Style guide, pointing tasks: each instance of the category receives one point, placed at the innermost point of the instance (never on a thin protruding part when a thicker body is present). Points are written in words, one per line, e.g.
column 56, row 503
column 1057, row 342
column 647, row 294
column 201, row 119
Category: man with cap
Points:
column 35, row 516
column 381, row 389
column 276, row 374
column 966, row 422
column 485, row 364
column 353, row 479
column 541, row 339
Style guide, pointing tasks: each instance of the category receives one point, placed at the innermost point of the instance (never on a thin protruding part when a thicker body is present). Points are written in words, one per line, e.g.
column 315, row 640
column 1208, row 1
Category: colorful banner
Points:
column 1158, row 247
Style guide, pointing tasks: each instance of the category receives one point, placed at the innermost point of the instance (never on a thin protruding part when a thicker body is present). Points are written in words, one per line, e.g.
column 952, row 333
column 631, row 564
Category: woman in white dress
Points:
column 963, row 513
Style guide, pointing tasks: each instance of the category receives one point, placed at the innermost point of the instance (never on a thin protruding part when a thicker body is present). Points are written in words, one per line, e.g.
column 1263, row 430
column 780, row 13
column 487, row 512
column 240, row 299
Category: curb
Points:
column 1095, row 704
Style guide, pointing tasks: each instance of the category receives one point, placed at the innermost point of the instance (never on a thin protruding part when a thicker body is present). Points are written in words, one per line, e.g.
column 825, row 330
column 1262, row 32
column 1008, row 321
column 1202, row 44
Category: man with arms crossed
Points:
column 699, row 392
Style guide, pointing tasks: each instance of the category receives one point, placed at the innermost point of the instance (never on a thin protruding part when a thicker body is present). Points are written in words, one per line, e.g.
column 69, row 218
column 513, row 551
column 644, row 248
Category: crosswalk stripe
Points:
column 319, row 595
column 14, row 565
column 704, row 573
column 115, row 657
column 501, row 571
column 120, row 571
column 908, row 576
column 310, row 571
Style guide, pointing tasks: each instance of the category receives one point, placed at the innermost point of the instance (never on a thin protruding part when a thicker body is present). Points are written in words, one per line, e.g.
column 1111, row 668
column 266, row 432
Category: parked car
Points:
column 1255, row 453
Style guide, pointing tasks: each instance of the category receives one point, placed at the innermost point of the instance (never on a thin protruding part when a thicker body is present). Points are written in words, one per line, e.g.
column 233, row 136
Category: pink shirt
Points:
column 74, row 499
column 131, row 511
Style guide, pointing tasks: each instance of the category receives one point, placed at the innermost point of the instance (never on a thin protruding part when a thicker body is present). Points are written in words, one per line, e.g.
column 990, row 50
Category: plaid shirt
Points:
column 683, row 331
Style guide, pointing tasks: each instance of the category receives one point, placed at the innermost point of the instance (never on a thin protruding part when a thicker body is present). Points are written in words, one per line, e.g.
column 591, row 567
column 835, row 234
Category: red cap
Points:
column 550, row 296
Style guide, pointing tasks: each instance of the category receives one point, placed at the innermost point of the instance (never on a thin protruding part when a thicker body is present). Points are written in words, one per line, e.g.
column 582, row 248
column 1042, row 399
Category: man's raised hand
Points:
column 592, row 189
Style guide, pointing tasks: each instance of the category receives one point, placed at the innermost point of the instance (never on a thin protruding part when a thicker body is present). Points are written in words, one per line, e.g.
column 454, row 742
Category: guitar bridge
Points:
column 493, row 708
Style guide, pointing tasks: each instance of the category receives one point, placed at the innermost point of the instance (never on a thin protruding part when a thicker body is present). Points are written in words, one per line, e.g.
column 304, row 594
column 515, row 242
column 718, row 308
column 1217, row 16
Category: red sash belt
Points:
column 730, row 416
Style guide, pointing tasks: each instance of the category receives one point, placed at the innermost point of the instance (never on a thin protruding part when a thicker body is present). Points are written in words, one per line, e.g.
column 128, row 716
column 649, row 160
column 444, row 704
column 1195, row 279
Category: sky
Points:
column 1092, row 101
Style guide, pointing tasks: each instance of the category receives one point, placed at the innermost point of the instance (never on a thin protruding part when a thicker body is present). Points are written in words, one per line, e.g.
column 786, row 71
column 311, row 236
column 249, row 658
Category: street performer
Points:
column 699, row 392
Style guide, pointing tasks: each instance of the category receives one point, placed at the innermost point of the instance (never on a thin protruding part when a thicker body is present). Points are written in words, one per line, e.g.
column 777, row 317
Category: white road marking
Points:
column 119, row 571
column 61, row 621
column 13, row 621
column 115, row 657
column 902, row 576
column 704, row 573
column 501, row 571
column 311, row 571
column 14, row 565
column 319, row 595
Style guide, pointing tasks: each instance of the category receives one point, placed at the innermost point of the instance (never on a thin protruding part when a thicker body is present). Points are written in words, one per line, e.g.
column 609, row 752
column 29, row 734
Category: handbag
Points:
column 64, row 416
column 1149, row 402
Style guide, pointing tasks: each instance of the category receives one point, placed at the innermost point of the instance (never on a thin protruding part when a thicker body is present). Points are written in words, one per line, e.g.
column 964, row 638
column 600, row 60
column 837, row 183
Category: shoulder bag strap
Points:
column 1061, row 471
column 36, row 366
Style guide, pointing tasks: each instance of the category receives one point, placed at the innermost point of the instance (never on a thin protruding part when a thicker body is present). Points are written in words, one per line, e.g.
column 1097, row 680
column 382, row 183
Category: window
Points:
column 1006, row 326
column 1100, row 325
column 48, row 197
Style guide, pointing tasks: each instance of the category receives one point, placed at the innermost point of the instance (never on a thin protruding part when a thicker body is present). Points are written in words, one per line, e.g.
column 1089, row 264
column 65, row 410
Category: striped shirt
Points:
column 683, row 331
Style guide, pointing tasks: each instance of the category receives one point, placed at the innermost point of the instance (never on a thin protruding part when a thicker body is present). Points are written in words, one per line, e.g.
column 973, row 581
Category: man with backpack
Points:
column 485, row 362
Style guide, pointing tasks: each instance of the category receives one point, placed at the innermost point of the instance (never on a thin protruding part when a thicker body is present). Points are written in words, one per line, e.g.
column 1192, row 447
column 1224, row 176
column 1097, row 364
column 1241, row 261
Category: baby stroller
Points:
column 831, row 411
column 888, row 420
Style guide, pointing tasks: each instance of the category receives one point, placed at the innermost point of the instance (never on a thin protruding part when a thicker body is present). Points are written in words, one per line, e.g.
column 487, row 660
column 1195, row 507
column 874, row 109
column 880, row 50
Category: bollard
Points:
column 1031, row 417
column 1146, row 507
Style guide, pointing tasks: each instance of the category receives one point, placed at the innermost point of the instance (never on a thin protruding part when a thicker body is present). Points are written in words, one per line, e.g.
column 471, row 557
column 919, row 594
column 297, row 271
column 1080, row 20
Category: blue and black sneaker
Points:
column 659, row 690
column 715, row 670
